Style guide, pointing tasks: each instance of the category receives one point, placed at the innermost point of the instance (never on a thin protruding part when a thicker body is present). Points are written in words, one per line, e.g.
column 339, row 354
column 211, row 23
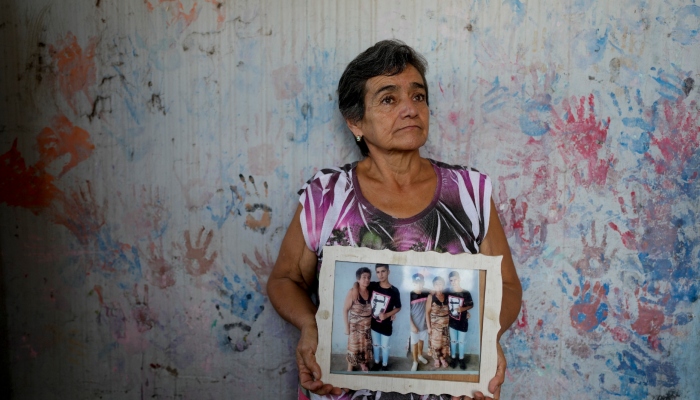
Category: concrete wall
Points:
column 150, row 152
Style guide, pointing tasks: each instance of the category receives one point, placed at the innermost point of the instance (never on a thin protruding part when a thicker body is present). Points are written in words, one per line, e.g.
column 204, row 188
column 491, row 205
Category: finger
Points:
column 480, row 396
column 208, row 239
column 497, row 393
column 496, row 382
column 309, row 360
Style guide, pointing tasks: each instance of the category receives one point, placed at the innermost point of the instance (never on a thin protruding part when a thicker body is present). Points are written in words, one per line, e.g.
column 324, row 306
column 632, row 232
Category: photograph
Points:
column 408, row 321
column 404, row 319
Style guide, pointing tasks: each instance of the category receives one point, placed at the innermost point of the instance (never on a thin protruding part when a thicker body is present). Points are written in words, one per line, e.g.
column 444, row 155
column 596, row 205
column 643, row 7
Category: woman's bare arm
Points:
column 428, row 306
column 495, row 244
column 346, row 310
column 290, row 282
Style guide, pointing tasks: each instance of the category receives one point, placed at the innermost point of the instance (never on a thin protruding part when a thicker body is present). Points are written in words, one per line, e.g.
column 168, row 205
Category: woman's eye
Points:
column 419, row 97
column 387, row 100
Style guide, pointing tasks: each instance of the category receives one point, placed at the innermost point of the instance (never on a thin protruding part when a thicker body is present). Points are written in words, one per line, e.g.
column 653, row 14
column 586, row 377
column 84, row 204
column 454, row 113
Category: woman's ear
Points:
column 355, row 127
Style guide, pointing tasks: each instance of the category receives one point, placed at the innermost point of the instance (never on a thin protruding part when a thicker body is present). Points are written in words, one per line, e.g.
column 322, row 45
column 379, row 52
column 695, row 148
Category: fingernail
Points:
column 316, row 375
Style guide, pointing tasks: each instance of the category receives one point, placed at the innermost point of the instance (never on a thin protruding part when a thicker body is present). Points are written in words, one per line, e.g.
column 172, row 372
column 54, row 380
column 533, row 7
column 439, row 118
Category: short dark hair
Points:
column 453, row 274
column 387, row 57
column 438, row 278
column 381, row 265
column 362, row 270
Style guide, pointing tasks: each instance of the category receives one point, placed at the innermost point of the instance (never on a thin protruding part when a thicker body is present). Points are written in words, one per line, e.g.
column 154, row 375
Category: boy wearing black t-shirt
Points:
column 459, row 301
column 386, row 302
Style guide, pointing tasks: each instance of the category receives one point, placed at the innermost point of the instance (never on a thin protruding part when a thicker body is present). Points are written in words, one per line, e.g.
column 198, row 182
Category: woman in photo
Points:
column 438, row 320
column 357, row 313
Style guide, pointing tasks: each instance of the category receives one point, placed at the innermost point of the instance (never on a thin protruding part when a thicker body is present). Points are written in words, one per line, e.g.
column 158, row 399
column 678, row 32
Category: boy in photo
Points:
column 459, row 301
column 419, row 328
column 386, row 302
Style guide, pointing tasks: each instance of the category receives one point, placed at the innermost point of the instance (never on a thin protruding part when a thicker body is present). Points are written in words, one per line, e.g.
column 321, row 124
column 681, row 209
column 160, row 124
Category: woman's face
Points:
column 364, row 280
column 439, row 286
column 396, row 113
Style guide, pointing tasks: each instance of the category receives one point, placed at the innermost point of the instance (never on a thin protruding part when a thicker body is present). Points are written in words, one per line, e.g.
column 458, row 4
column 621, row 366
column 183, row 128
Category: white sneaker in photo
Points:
column 422, row 359
column 415, row 366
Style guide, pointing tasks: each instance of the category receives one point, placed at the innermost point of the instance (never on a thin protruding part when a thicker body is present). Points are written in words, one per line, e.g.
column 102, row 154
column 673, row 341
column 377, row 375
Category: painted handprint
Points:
column 594, row 261
column 60, row 139
column 674, row 143
column 581, row 139
column 630, row 236
column 160, row 272
column 529, row 234
column 176, row 11
column 536, row 102
column 113, row 313
column 140, row 311
column 80, row 213
column 196, row 261
column 645, row 228
column 591, row 308
column 246, row 200
column 75, row 68
column 262, row 269
column 258, row 217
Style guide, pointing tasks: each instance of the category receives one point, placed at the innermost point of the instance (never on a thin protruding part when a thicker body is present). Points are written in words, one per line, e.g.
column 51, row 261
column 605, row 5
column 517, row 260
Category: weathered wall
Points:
column 151, row 151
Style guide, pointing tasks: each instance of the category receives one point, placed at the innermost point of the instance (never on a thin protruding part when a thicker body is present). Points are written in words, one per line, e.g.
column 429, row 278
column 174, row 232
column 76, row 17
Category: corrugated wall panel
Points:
column 152, row 150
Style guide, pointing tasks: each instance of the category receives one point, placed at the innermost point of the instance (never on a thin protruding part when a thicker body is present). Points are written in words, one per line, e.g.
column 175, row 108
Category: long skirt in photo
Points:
column 439, row 331
column 360, row 338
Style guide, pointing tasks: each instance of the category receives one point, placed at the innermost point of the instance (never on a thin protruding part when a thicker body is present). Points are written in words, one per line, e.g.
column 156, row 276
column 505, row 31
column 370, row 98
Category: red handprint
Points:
column 580, row 140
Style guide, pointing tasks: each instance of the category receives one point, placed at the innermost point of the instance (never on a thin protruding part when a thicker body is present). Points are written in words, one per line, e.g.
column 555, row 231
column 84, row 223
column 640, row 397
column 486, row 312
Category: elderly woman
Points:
column 393, row 198
column 357, row 313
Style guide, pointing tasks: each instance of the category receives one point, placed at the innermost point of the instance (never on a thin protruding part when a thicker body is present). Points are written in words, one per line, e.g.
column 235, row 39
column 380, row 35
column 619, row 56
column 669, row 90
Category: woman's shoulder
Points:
column 330, row 174
column 454, row 167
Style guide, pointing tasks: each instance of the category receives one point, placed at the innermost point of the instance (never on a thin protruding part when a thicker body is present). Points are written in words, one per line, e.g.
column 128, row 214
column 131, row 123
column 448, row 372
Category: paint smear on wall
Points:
column 75, row 68
column 286, row 82
column 24, row 186
column 176, row 10
column 60, row 139
column 262, row 159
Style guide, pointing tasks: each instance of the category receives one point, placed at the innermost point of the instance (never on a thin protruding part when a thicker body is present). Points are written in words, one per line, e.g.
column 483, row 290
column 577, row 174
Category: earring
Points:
column 358, row 138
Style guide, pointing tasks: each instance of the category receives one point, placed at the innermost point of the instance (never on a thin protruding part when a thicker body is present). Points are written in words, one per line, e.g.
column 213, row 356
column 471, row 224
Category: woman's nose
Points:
column 408, row 108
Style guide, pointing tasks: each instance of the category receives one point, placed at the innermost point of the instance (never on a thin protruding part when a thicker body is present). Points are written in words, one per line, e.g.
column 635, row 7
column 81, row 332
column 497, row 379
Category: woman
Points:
column 438, row 318
column 358, row 322
column 392, row 198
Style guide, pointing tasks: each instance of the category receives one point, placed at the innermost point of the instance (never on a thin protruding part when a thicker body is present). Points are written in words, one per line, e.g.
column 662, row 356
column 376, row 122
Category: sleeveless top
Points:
column 336, row 213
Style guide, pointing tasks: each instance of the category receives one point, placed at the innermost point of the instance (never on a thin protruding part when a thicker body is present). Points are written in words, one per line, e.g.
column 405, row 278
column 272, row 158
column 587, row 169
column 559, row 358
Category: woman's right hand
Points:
column 309, row 370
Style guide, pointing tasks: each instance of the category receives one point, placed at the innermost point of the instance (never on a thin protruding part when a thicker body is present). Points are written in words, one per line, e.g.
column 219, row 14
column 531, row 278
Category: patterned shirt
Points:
column 336, row 213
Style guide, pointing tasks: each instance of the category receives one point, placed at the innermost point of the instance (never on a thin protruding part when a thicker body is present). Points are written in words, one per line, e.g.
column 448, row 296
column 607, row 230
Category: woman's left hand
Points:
column 496, row 382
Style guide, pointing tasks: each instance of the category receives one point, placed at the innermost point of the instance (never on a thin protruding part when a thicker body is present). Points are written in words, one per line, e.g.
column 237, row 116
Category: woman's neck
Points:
column 396, row 169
